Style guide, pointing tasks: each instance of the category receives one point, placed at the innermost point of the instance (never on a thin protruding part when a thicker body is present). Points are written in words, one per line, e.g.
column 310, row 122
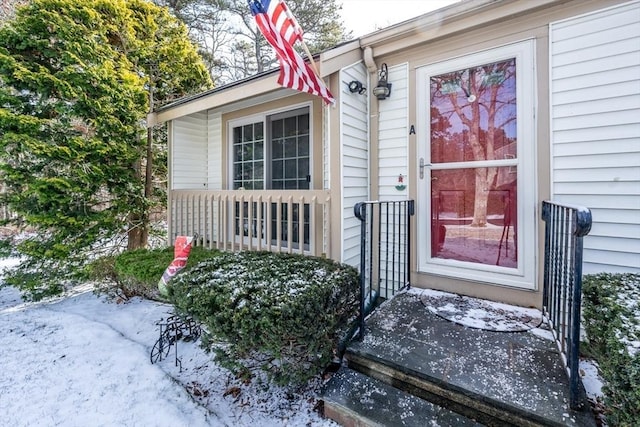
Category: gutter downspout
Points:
column 368, row 60
column 374, row 123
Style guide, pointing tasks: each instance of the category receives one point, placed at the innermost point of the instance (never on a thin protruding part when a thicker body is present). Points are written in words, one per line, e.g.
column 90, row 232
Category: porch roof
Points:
column 250, row 91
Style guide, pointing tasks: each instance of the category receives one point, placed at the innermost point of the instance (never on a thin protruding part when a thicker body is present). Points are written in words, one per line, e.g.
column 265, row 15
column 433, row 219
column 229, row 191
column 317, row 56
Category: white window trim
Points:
column 525, row 275
column 262, row 117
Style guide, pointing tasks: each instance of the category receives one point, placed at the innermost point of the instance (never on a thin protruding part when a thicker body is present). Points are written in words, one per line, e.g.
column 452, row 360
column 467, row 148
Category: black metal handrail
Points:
column 385, row 251
column 565, row 226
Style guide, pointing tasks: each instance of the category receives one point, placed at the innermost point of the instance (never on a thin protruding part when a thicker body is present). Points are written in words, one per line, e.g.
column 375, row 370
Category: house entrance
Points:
column 475, row 162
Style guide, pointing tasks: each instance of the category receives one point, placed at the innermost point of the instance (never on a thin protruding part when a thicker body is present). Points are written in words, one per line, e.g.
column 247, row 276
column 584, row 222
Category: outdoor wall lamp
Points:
column 383, row 90
column 356, row 87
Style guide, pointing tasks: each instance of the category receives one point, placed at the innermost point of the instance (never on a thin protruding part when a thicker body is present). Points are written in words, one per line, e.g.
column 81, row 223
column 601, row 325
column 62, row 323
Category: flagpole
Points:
column 300, row 32
column 311, row 61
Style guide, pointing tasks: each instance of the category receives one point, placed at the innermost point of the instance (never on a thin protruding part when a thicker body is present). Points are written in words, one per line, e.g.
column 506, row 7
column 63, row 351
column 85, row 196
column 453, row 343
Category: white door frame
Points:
column 524, row 276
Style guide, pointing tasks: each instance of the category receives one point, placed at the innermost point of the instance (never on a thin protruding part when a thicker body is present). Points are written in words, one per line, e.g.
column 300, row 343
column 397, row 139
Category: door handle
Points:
column 422, row 166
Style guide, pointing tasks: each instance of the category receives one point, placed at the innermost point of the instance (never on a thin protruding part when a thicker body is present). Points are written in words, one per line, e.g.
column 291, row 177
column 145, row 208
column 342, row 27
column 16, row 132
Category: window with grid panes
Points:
column 248, row 156
column 286, row 152
column 290, row 152
column 282, row 142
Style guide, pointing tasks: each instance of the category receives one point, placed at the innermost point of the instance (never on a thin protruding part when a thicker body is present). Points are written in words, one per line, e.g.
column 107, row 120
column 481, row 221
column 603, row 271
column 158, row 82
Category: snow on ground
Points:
column 62, row 368
column 591, row 379
column 83, row 360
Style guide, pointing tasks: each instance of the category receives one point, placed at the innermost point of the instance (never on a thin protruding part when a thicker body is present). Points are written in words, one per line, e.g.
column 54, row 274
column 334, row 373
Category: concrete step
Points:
column 497, row 378
column 353, row 399
column 464, row 401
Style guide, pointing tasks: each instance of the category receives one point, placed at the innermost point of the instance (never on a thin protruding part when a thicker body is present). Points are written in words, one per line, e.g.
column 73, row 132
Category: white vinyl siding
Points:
column 354, row 158
column 215, row 151
column 189, row 152
column 393, row 158
column 393, row 136
column 595, row 117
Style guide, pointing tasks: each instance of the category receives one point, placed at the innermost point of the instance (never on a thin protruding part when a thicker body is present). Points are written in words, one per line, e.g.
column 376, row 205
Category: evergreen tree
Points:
column 231, row 44
column 75, row 79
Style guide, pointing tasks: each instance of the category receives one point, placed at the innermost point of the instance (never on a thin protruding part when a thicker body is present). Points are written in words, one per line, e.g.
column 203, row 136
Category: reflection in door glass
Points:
column 473, row 119
column 454, row 230
column 473, row 114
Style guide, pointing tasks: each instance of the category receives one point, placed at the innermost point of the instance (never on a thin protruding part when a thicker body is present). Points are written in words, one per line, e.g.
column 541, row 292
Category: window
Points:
column 248, row 156
column 273, row 152
column 285, row 151
column 290, row 152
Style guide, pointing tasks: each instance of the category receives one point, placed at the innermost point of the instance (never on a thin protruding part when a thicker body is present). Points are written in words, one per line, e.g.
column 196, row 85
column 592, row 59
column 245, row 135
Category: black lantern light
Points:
column 383, row 89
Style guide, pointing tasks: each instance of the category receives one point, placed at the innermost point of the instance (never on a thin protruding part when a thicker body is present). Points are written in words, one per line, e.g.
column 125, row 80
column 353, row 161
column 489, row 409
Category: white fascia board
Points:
column 226, row 99
column 458, row 17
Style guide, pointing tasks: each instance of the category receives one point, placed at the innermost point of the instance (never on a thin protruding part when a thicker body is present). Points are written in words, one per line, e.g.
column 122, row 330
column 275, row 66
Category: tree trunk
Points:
column 256, row 46
column 134, row 236
column 138, row 235
column 134, row 218
column 148, row 187
column 148, row 181
column 484, row 182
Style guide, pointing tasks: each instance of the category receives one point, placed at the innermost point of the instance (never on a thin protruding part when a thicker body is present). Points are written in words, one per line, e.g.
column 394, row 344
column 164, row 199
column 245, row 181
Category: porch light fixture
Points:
column 383, row 89
column 356, row 87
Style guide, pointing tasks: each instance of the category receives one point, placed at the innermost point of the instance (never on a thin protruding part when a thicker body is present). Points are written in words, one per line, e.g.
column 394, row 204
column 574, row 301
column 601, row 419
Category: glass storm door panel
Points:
column 473, row 120
column 290, row 157
column 472, row 169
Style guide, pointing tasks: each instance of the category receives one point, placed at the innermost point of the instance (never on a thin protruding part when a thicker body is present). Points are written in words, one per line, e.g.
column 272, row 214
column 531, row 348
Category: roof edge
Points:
column 442, row 22
column 215, row 90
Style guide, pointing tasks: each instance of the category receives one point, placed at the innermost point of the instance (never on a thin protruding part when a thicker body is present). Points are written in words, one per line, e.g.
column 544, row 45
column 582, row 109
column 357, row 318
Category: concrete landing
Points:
column 496, row 378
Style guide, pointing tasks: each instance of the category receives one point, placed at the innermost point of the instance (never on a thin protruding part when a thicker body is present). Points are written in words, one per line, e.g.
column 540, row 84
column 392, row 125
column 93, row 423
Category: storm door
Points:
column 476, row 187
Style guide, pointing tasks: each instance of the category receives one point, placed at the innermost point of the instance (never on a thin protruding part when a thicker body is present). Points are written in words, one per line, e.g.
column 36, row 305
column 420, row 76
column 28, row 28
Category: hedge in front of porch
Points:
column 136, row 272
column 281, row 313
column 612, row 322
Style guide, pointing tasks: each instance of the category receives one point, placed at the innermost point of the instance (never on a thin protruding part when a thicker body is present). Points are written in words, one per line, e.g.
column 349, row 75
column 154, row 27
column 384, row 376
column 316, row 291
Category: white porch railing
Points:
column 233, row 220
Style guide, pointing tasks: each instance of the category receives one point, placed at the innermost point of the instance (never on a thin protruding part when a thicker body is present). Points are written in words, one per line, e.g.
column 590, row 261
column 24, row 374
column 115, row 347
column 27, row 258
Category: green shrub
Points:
column 284, row 314
column 6, row 248
column 137, row 272
column 37, row 280
column 612, row 321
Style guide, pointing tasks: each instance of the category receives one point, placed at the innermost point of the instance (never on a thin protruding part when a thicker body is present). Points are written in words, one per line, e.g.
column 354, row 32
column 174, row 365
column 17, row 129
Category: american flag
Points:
column 279, row 27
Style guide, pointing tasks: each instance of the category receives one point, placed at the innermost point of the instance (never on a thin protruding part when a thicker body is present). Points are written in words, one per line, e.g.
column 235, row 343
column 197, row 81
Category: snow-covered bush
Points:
column 284, row 314
column 612, row 322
